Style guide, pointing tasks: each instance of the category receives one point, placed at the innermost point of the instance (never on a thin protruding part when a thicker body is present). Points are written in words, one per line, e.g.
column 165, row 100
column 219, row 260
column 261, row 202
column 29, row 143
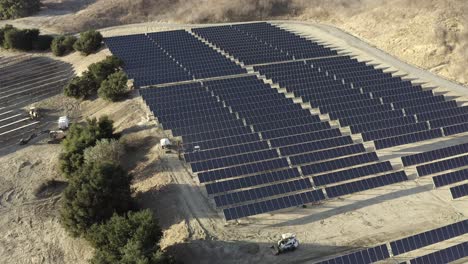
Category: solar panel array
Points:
column 255, row 149
column 258, row 43
column 171, row 56
column 249, row 136
column 384, row 109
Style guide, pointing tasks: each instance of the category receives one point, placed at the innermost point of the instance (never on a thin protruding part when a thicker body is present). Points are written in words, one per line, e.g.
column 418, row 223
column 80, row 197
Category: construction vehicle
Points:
column 288, row 242
column 56, row 136
column 63, row 122
column 33, row 113
column 24, row 141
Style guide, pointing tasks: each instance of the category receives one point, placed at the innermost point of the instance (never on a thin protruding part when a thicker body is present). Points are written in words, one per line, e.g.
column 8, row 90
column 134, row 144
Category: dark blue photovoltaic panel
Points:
column 443, row 165
column 251, row 168
column 459, row 191
column 434, row 154
column 352, row 173
column 428, row 238
column 261, row 192
column 339, row 163
column 366, row 184
column 326, row 154
column 444, row 256
column 316, row 145
column 364, row 256
column 449, row 178
column 273, row 205
column 408, row 138
column 251, row 181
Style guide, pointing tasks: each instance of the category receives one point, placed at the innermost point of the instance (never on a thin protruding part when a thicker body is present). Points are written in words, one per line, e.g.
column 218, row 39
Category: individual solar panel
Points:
column 365, row 256
column 434, row 154
column 428, row 238
column 366, row 184
column 459, row 191
column 273, row 204
column 449, row 178
column 443, row 256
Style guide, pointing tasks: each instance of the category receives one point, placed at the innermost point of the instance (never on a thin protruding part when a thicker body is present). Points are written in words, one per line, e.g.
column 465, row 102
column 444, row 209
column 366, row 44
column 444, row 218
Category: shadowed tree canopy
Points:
column 94, row 194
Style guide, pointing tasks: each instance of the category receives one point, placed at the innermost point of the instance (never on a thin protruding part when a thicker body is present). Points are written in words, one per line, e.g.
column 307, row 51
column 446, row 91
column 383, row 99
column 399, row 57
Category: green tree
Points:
column 97, row 191
column 89, row 42
column 114, row 87
column 10, row 9
column 3, row 30
column 81, row 137
column 105, row 150
column 101, row 70
column 129, row 239
column 62, row 45
column 81, row 87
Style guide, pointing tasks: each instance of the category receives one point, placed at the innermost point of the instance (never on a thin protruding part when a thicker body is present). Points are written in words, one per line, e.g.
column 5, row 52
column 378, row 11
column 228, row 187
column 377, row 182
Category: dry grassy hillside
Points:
column 432, row 34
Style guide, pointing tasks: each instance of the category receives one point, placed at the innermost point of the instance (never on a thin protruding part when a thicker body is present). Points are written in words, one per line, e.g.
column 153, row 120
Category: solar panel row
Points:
column 443, row 256
column 366, row 184
column 434, row 154
column 449, row 178
column 364, row 256
column 428, row 238
column 251, row 181
column 261, row 192
column 273, row 205
column 442, row 165
column 459, row 191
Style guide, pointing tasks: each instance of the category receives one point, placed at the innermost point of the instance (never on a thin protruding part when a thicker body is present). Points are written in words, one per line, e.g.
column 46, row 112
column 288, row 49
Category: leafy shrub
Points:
column 79, row 138
column 114, row 87
column 81, row 87
column 105, row 150
column 43, row 42
column 89, row 42
column 62, row 45
column 10, row 9
column 97, row 191
column 101, row 70
column 129, row 239
column 3, row 30
column 20, row 39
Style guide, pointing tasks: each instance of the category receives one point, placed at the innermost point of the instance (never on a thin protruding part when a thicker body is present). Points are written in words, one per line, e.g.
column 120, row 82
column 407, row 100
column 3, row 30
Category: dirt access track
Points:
column 194, row 231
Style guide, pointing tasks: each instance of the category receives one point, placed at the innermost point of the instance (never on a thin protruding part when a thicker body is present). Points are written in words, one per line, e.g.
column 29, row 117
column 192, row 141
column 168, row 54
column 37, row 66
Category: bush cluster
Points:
column 81, row 137
column 62, row 45
column 97, row 203
column 105, row 78
column 23, row 39
column 10, row 9
column 89, row 42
